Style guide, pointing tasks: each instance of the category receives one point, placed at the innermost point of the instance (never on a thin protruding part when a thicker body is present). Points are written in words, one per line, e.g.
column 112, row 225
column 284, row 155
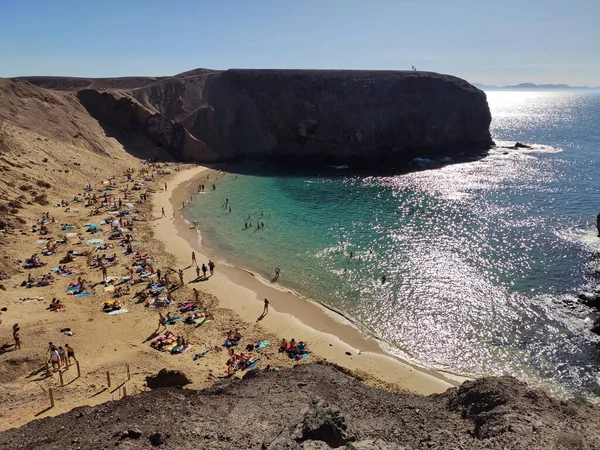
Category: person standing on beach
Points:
column 197, row 272
column 16, row 335
column 194, row 258
column 266, row 308
column 104, row 273
column 180, row 273
column 211, row 267
column 163, row 212
column 165, row 186
column 196, row 296
column 182, row 205
column 204, row 269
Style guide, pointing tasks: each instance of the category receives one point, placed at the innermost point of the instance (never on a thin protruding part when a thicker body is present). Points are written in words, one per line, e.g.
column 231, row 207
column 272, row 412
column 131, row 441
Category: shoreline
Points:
column 289, row 315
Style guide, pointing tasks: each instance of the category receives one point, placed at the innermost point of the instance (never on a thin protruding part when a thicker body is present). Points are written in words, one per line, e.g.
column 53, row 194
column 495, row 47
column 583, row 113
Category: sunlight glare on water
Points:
column 478, row 256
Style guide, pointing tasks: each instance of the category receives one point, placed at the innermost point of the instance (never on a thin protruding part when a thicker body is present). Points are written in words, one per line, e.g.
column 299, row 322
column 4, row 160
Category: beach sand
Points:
column 106, row 343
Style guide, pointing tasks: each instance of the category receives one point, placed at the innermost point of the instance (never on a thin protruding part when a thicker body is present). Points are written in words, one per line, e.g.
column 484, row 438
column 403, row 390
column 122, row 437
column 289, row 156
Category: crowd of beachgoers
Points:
column 119, row 271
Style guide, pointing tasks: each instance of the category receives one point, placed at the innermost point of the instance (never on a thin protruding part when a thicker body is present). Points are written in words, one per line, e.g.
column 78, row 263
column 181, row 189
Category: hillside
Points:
column 47, row 140
column 317, row 407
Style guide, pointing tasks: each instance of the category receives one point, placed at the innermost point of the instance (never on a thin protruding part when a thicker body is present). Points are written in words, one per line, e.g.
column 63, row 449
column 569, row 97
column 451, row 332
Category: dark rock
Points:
column 591, row 300
column 333, row 410
column 323, row 422
column 596, row 326
column 157, row 439
column 134, row 433
column 317, row 116
column 520, row 145
column 167, row 378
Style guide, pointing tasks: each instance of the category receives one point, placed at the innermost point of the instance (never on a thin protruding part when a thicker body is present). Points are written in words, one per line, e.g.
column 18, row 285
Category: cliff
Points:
column 311, row 116
column 317, row 407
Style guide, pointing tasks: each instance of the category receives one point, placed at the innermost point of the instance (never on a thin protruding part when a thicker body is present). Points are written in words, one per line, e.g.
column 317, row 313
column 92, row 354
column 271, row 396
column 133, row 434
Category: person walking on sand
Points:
column 211, row 267
column 70, row 352
column 161, row 321
column 163, row 212
column 266, row 308
column 180, row 273
column 204, row 269
column 194, row 258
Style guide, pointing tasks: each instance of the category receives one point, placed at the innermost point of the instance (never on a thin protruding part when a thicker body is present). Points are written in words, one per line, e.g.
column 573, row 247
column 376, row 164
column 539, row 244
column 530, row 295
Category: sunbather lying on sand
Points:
column 56, row 305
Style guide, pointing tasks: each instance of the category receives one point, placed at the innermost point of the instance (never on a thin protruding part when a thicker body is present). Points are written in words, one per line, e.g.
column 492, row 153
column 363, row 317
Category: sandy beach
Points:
column 109, row 343
column 330, row 336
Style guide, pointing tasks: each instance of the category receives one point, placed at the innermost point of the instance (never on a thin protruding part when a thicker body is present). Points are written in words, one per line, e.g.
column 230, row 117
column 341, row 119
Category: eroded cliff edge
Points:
column 314, row 406
column 313, row 116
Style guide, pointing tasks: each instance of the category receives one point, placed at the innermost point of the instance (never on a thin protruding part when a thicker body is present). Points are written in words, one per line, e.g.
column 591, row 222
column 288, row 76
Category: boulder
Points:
column 318, row 422
column 168, row 378
column 520, row 145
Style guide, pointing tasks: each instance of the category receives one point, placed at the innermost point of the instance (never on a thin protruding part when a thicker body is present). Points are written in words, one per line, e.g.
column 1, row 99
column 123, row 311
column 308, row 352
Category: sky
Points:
column 486, row 41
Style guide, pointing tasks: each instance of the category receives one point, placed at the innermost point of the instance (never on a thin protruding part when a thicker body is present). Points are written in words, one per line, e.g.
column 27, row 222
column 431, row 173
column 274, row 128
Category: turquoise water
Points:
column 479, row 257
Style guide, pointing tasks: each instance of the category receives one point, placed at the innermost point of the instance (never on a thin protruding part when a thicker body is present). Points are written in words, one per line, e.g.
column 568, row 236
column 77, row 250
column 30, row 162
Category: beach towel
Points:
column 73, row 288
column 118, row 311
column 32, row 299
column 172, row 321
column 95, row 241
column 261, row 344
column 201, row 321
column 180, row 349
column 83, row 294
column 253, row 364
column 197, row 356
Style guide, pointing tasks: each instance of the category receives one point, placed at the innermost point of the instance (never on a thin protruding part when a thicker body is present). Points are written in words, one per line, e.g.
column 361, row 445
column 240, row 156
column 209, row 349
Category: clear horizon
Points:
column 505, row 43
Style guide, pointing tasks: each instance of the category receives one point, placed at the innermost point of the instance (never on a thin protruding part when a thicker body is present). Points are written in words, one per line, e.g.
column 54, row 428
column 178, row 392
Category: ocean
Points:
column 482, row 259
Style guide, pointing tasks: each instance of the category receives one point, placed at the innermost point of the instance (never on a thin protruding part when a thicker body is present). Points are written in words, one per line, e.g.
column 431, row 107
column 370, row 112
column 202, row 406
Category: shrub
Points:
column 42, row 199
column 43, row 184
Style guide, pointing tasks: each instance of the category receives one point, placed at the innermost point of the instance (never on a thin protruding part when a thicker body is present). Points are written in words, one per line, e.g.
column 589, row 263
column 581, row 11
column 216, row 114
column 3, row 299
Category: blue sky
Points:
column 492, row 42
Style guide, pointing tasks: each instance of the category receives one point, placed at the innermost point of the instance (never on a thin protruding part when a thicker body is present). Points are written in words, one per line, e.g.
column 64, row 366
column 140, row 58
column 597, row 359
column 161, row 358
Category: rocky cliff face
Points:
column 312, row 116
column 317, row 407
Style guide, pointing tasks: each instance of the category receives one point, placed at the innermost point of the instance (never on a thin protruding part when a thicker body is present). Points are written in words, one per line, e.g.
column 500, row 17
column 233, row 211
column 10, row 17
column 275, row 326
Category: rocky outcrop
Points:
column 168, row 378
column 310, row 116
column 314, row 406
column 122, row 114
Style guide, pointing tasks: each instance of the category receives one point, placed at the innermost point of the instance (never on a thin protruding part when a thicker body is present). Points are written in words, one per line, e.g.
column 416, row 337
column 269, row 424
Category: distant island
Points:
column 536, row 87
